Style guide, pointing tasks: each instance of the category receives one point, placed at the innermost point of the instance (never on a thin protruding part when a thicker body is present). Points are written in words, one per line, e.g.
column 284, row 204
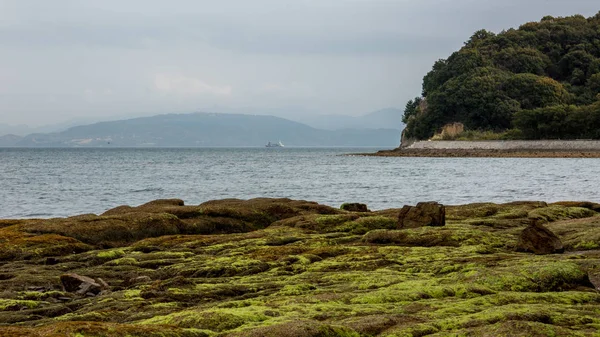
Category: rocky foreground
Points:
column 279, row 267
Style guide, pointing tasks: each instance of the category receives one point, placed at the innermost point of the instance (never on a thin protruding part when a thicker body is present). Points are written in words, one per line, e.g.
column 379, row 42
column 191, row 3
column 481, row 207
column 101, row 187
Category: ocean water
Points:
column 46, row 183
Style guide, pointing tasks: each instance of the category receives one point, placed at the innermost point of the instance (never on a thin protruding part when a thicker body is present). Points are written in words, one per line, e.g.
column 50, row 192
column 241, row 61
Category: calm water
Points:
column 62, row 182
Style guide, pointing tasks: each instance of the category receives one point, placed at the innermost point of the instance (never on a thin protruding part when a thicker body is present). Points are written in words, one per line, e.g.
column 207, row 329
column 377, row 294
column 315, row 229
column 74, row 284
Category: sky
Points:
column 104, row 59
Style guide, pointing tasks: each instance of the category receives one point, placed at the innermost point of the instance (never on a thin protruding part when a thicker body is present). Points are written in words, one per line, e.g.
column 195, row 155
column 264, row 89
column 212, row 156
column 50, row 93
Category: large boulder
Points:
column 354, row 207
column 423, row 214
column 538, row 239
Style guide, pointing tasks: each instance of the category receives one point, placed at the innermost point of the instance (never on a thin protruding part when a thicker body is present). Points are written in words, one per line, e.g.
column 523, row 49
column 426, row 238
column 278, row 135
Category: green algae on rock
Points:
column 280, row 267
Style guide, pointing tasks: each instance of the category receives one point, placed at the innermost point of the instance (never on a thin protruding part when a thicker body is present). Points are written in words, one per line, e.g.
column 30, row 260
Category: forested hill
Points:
column 540, row 81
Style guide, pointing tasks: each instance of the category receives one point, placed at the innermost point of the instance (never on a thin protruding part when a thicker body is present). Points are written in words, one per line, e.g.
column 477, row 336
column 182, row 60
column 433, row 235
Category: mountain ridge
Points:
column 206, row 129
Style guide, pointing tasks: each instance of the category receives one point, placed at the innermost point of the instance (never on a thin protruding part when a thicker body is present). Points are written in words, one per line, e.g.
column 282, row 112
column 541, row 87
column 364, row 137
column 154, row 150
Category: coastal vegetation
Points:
column 280, row 267
column 540, row 81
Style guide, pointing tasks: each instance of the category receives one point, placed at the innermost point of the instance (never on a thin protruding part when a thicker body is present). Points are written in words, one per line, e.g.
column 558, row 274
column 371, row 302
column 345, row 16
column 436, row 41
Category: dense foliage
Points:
column 543, row 79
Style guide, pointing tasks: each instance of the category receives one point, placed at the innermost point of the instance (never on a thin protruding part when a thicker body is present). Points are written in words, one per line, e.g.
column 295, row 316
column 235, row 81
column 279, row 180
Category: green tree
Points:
column 544, row 123
column 514, row 77
column 475, row 99
column 533, row 91
column 458, row 63
column 593, row 84
column 522, row 60
column 578, row 60
column 411, row 109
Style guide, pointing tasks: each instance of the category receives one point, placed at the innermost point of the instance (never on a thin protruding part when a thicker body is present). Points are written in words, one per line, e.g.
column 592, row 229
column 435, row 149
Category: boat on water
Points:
column 278, row 144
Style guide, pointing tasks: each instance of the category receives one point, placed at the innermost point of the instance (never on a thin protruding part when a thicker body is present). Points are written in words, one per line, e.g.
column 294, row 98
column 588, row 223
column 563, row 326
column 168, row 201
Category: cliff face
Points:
column 405, row 141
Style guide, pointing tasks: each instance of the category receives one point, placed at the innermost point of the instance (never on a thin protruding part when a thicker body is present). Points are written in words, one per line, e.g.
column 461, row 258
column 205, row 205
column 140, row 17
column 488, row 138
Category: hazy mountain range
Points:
column 389, row 118
column 23, row 129
column 208, row 129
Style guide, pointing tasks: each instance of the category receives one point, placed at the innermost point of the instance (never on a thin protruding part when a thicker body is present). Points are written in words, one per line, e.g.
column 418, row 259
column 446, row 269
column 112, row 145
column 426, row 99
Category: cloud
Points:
column 156, row 56
column 188, row 86
column 287, row 90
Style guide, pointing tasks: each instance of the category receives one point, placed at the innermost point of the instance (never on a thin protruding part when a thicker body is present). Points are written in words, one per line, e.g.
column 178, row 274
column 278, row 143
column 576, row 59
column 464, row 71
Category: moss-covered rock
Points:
column 558, row 212
column 279, row 267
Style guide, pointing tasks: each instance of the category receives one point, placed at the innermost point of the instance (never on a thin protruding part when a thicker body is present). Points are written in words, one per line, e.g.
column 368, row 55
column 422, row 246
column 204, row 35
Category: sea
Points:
column 61, row 182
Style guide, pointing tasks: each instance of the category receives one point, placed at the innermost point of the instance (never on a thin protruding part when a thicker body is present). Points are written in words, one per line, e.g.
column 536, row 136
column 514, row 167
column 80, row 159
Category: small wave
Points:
column 149, row 189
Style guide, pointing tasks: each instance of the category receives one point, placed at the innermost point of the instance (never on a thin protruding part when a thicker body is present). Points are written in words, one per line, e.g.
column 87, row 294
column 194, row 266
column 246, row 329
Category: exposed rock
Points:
column 164, row 202
column 119, row 210
column 50, row 261
column 313, row 251
column 140, row 279
column 103, row 284
column 354, row 207
column 450, row 131
column 424, row 214
column 538, row 239
column 595, row 280
column 80, row 285
column 594, row 206
column 406, row 141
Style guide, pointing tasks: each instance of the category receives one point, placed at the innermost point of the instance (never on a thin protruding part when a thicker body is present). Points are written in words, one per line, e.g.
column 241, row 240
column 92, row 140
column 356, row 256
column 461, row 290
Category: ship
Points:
column 278, row 144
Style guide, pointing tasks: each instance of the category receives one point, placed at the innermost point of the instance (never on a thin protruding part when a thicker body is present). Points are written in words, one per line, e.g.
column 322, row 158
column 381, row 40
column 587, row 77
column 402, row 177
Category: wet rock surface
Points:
column 355, row 207
column 538, row 239
column 423, row 214
column 280, row 267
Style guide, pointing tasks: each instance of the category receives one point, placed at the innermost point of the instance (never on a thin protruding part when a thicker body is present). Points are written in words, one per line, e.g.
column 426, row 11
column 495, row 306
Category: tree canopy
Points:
column 542, row 78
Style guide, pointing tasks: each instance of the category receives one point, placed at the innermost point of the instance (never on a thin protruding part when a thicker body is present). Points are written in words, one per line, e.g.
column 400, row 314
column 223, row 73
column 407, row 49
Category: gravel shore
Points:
column 501, row 149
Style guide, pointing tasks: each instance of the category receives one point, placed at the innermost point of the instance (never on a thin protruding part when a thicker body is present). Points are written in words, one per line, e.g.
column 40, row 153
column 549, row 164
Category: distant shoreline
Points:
column 497, row 149
column 449, row 153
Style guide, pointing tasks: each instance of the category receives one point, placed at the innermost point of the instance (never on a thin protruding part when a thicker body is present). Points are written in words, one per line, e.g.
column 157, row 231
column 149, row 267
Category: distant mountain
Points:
column 23, row 129
column 9, row 140
column 390, row 118
column 18, row 130
column 208, row 129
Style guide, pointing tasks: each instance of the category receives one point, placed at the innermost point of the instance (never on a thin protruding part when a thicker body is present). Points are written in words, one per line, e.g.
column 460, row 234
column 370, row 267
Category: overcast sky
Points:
column 65, row 59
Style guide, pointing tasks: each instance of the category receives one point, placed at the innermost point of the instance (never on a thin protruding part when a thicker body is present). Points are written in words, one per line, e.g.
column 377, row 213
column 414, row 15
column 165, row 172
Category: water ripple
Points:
column 63, row 182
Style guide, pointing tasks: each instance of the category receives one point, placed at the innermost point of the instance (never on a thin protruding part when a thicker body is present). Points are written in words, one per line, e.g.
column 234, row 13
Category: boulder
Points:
column 538, row 239
column 423, row 214
column 354, row 207
column 80, row 285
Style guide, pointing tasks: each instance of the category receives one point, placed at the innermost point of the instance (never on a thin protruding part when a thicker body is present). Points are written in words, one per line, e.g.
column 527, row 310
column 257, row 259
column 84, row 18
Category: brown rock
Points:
column 424, row 214
column 50, row 261
column 164, row 202
column 354, row 207
column 80, row 284
column 595, row 280
column 103, row 284
column 140, row 279
column 538, row 239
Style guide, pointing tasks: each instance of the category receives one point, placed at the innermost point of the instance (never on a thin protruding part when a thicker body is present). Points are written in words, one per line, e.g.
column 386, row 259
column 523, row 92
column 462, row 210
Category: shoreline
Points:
column 483, row 153
column 498, row 149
